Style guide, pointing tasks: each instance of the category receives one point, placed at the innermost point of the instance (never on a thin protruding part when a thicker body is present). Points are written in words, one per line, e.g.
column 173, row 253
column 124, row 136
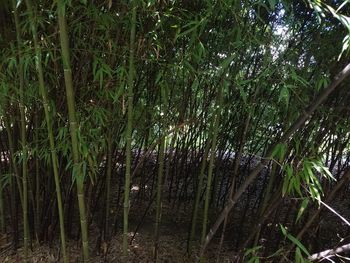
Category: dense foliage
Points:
column 234, row 111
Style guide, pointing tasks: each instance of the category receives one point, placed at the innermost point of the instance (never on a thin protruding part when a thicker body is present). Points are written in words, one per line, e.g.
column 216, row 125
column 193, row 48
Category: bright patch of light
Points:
column 135, row 188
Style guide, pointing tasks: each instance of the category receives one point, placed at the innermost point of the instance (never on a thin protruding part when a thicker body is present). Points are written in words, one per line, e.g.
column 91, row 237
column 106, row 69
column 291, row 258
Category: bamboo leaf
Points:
column 302, row 208
column 19, row 2
column 294, row 240
column 279, row 151
column 284, row 95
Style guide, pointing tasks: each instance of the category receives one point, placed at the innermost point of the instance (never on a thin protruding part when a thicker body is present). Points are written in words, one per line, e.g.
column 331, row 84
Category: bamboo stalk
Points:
column 108, row 183
column 37, row 177
column 162, row 147
column 14, row 177
column 237, row 163
column 129, row 129
column 48, row 117
column 23, row 136
column 211, row 162
column 235, row 175
column 12, row 158
column 73, row 125
column 198, row 193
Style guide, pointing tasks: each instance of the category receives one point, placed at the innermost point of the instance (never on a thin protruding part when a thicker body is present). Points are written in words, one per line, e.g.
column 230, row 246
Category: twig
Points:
column 329, row 252
column 335, row 212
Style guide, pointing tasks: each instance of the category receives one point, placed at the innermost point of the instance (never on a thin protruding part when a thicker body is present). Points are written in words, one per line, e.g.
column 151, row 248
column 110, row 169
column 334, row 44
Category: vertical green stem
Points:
column 159, row 196
column 47, row 112
column 12, row 157
column 198, row 192
column 129, row 128
column 14, row 177
column 108, row 181
column 237, row 163
column 73, row 124
column 37, row 176
column 23, row 136
column 211, row 163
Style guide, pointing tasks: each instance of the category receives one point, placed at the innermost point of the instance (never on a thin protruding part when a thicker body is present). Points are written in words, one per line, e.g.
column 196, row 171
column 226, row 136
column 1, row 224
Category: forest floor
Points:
column 173, row 239
column 174, row 230
column 172, row 244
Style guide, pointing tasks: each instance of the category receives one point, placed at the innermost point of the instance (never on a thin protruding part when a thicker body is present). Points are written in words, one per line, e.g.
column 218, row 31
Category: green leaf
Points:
column 323, row 170
column 322, row 83
column 294, row 240
column 251, row 253
column 302, row 208
column 192, row 25
column 252, row 250
column 18, row 3
column 279, row 151
column 253, row 260
column 284, row 231
column 288, row 180
column 315, row 193
column 226, row 63
column 298, row 257
column 243, row 94
column 284, row 95
column 297, row 185
column 5, row 180
column 159, row 76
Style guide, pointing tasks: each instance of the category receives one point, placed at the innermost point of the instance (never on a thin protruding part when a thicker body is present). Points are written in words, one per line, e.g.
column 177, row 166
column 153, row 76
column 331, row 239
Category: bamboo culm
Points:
column 129, row 129
column 73, row 125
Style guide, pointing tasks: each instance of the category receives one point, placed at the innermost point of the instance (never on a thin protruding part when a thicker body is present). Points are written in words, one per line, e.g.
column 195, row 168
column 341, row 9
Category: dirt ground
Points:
column 171, row 249
column 172, row 245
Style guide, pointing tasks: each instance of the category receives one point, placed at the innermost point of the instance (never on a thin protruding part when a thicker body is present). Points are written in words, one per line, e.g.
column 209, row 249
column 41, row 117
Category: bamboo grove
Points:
column 231, row 116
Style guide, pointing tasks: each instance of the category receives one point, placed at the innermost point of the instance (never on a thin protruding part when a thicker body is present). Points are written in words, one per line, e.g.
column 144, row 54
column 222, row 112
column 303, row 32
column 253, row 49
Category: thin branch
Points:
column 329, row 252
column 335, row 212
